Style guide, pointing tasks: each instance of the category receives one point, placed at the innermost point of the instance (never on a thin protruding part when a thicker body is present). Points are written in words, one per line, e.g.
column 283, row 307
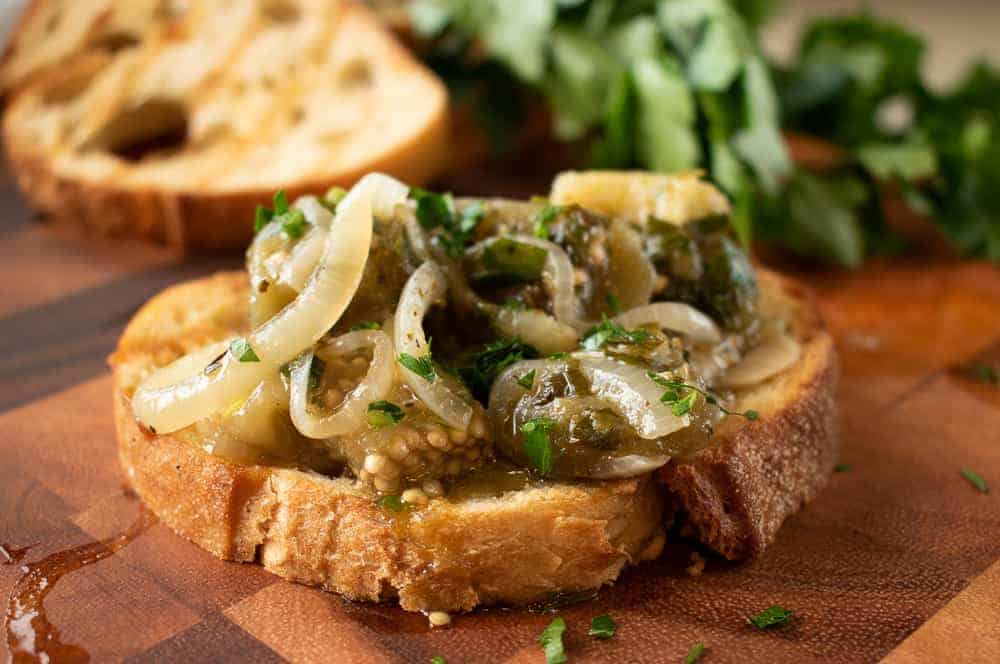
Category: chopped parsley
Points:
column 391, row 503
column 384, row 413
column 551, row 642
column 610, row 332
column 366, row 325
column 842, row 468
column 681, row 397
column 697, row 650
column 602, row 627
column 331, row 199
column 614, row 304
column 485, row 365
column 241, row 350
column 773, row 616
column 559, row 356
column 984, row 373
column 438, row 211
column 537, row 445
column 545, row 217
column 515, row 304
column 438, row 659
column 527, row 380
column 293, row 221
column 975, row 479
column 423, row 366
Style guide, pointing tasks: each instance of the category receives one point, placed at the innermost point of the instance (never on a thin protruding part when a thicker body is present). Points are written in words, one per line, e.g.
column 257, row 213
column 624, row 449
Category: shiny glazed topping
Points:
column 472, row 340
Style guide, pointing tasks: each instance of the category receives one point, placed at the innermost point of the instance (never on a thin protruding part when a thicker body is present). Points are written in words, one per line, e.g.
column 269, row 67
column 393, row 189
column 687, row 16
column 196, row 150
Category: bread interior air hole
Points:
column 280, row 11
column 154, row 127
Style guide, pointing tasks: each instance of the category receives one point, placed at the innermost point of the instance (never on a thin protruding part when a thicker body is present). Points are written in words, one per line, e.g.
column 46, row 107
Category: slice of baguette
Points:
column 180, row 137
column 516, row 548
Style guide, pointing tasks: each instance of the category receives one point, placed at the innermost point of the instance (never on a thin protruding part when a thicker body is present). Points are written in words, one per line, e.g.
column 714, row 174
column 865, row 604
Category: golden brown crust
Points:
column 739, row 491
column 59, row 174
column 513, row 549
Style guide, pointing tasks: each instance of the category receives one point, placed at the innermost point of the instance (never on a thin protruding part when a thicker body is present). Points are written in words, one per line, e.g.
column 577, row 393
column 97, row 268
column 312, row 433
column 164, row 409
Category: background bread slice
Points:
column 456, row 555
column 178, row 138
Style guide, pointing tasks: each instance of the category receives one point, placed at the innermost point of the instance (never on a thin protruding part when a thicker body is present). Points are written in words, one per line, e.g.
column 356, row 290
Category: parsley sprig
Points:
column 610, row 332
column 682, row 397
column 423, row 366
column 293, row 221
column 772, row 616
column 438, row 211
column 537, row 445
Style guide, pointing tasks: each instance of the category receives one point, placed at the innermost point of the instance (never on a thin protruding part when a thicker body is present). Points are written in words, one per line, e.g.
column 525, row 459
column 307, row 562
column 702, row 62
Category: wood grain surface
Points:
column 885, row 561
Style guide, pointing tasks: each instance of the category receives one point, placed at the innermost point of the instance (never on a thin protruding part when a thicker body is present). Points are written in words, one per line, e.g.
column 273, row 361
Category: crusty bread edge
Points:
column 738, row 492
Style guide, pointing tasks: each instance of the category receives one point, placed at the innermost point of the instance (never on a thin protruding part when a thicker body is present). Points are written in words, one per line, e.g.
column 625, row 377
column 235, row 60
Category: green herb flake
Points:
column 602, row 627
column 559, row 356
column 614, row 304
column 545, row 217
column 331, row 199
column 975, row 479
column 681, row 397
column 242, row 351
column 433, row 210
column 537, row 445
column 984, row 373
column 384, row 413
column 773, row 616
column 391, row 503
column 842, row 468
column 697, row 650
column 294, row 223
column 423, row 366
column 483, row 366
column 527, row 380
column 280, row 202
column 438, row 659
column 551, row 642
column 610, row 332
column 515, row 304
column 262, row 217
column 366, row 325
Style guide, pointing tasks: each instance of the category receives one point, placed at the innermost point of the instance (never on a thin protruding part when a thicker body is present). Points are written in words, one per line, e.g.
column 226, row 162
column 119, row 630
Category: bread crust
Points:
column 512, row 549
column 199, row 215
column 739, row 491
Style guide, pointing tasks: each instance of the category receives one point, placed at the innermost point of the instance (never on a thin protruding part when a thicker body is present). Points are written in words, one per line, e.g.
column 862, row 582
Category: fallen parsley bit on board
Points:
column 438, row 660
column 551, row 642
column 695, row 653
column 241, row 350
column 975, row 479
column 537, row 446
column 842, row 468
column 391, row 503
column 602, row 627
column 384, row 413
column 422, row 366
column 772, row 616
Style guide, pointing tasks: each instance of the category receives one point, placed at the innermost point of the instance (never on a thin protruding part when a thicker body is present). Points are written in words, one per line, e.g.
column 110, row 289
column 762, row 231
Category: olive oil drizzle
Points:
column 29, row 634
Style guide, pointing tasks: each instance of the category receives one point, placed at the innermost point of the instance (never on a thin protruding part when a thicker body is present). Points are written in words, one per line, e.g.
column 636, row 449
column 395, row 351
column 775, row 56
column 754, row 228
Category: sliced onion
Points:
column 299, row 267
column 506, row 391
column 632, row 274
column 315, row 212
column 294, row 329
column 775, row 353
column 350, row 415
column 627, row 466
column 535, row 328
column 630, row 393
column 417, row 239
column 675, row 316
column 424, row 287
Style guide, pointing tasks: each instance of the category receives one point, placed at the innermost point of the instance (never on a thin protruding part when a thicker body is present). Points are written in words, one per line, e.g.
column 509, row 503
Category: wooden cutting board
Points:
column 897, row 557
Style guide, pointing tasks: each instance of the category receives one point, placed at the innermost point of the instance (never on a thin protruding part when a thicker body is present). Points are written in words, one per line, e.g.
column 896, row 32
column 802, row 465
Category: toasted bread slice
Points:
column 512, row 548
column 178, row 138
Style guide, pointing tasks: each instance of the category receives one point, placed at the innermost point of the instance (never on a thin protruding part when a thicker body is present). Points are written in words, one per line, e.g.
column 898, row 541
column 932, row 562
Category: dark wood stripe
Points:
column 14, row 210
column 213, row 640
column 66, row 341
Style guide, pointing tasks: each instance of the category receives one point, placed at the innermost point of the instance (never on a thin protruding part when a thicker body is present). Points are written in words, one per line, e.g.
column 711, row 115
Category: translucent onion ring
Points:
column 350, row 415
column 533, row 327
column 306, row 254
column 631, row 272
column 773, row 355
column 675, row 316
column 424, row 287
column 295, row 328
column 630, row 393
column 627, row 466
